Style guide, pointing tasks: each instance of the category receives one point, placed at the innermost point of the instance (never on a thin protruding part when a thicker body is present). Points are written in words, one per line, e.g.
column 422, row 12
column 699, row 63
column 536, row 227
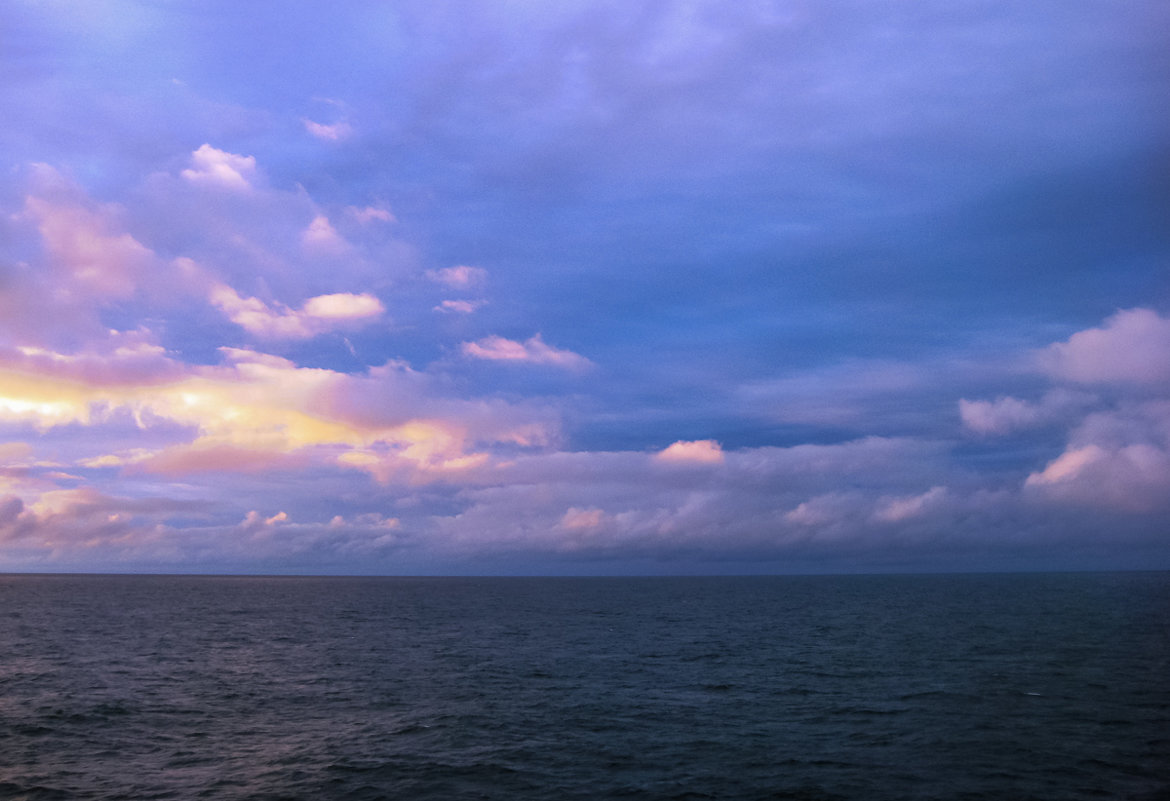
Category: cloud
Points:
column 1133, row 478
column 334, row 132
column 258, row 412
column 343, row 306
column 1115, row 458
column 321, row 235
column 704, row 451
column 1069, row 465
column 218, row 168
column 1117, row 455
column 1006, row 414
column 562, row 149
column 459, row 277
column 368, row 214
column 92, row 259
column 845, row 394
column 459, row 306
column 1133, row 346
column 184, row 461
column 318, row 314
column 577, row 519
column 531, row 351
column 894, row 510
column 999, row 416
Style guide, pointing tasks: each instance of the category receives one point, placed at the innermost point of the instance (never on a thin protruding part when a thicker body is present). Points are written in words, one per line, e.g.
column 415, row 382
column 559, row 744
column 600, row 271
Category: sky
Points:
column 584, row 287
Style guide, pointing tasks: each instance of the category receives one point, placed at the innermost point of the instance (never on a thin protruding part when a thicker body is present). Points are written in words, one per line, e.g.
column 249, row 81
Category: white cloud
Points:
column 531, row 351
column 343, row 306
column 213, row 167
column 319, row 314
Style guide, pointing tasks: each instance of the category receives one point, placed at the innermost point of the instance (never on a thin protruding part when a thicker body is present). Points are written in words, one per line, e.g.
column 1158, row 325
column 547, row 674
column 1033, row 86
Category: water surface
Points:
column 860, row 687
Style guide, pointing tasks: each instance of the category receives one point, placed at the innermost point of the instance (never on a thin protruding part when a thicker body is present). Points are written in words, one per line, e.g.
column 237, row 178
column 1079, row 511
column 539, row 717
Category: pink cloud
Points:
column 703, row 451
column 531, row 351
column 1132, row 347
column 95, row 261
column 894, row 510
column 1068, row 466
column 187, row 460
column 118, row 358
column 578, row 519
column 1134, row 478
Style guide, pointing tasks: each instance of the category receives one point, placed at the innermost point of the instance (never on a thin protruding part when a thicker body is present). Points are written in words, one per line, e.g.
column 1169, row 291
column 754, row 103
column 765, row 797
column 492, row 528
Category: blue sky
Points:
column 584, row 287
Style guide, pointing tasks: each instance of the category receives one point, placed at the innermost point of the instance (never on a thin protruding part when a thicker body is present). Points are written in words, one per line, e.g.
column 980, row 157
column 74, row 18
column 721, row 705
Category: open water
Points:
column 999, row 687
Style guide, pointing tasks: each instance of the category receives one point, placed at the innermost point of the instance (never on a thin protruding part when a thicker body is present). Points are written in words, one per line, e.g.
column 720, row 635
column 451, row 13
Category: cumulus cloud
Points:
column 704, row 451
column 1117, row 458
column 531, row 351
column 1133, row 478
column 1133, row 346
column 318, row 314
column 218, row 168
column 1118, row 451
column 459, row 277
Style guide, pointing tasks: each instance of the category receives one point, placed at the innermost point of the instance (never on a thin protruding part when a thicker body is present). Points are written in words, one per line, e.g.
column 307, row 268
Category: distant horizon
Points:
column 1021, row 572
column 584, row 287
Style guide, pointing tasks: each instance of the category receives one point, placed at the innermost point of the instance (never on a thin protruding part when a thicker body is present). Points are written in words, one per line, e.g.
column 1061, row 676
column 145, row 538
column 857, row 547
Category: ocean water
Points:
column 1052, row 687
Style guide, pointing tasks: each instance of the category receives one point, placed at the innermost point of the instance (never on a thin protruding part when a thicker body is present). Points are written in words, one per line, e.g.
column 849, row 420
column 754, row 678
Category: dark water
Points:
column 868, row 687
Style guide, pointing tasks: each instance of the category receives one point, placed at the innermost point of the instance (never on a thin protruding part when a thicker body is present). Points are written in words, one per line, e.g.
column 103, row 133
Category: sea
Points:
column 875, row 687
